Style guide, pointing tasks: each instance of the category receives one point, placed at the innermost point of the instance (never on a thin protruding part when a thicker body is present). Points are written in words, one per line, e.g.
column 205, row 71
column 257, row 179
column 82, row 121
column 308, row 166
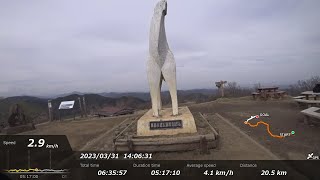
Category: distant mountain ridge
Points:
column 141, row 95
column 146, row 95
column 37, row 108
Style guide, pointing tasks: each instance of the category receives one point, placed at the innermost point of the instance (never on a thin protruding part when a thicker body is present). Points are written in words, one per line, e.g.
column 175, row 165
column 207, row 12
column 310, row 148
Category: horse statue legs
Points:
column 155, row 76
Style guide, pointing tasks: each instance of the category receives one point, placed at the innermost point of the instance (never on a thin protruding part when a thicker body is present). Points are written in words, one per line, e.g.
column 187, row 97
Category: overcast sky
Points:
column 58, row 46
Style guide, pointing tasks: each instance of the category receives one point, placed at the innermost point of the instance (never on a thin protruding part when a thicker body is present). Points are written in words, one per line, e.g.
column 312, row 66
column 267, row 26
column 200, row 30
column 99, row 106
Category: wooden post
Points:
column 222, row 90
column 84, row 106
column 80, row 106
column 220, row 86
column 50, row 110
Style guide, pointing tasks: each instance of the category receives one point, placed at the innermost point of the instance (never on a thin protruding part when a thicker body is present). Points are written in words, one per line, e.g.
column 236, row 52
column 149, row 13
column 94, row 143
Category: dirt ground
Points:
column 284, row 117
column 80, row 132
column 237, row 140
column 232, row 145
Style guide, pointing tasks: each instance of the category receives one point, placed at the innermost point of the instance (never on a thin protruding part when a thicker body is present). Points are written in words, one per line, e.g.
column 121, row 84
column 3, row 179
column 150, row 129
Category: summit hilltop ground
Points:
column 238, row 141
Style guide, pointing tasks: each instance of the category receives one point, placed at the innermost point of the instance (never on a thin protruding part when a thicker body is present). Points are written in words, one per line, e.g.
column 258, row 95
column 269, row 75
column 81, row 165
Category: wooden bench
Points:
column 308, row 102
column 313, row 97
column 298, row 97
column 311, row 112
column 266, row 95
column 304, row 97
column 273, row 94
column 255, row 94
column 279, row 94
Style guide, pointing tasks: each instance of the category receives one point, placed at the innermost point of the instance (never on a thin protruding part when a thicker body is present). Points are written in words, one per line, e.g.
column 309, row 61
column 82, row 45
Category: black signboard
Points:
column 172, row 124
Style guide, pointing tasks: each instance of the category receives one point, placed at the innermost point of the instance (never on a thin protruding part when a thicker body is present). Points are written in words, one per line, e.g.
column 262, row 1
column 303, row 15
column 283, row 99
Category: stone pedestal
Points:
column 166, row 124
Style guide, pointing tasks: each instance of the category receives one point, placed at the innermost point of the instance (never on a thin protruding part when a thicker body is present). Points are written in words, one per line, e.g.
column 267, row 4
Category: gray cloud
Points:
column 49, row 47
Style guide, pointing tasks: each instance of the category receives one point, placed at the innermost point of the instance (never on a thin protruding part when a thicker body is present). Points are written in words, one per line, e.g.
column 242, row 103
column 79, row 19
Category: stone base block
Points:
column 166, row 124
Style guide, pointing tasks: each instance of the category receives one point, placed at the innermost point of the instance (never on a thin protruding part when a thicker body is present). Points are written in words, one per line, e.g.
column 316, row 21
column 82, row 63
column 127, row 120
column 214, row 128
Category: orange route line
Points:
column 268, row 128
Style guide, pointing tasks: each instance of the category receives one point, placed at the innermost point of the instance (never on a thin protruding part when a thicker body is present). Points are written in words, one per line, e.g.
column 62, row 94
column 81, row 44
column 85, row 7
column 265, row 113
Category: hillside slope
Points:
column 36, row 109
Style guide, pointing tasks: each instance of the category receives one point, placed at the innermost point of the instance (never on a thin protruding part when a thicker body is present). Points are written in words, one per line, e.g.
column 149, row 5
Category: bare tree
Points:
column 232, row 89
column 304, row 85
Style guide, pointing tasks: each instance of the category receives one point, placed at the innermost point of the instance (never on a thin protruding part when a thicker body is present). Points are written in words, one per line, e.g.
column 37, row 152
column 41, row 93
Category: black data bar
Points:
column 205, row 169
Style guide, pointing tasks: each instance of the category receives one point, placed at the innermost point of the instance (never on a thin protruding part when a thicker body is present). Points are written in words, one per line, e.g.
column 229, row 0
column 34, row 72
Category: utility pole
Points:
column 220, row 86
column 50, row 110
column 79, row 99
column 84, row 106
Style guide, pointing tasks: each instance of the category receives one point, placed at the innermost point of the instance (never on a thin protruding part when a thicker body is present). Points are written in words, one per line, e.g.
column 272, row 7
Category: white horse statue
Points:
column 161, row 64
